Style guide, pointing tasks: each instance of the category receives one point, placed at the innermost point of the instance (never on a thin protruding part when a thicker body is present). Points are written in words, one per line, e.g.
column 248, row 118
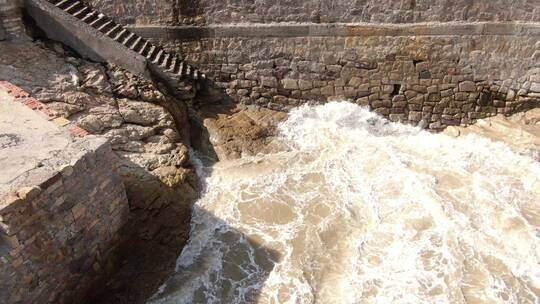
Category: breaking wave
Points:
column 356, row 209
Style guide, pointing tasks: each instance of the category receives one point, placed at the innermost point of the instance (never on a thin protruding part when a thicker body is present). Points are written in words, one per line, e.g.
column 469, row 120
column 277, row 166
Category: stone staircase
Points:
column 171, row 63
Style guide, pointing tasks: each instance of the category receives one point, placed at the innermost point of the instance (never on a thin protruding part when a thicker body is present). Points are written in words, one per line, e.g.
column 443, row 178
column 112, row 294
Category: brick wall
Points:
column 59, row 231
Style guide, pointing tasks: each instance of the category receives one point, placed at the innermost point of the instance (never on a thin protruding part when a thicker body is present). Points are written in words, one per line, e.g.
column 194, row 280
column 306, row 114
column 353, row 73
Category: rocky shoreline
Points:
column 149, row 133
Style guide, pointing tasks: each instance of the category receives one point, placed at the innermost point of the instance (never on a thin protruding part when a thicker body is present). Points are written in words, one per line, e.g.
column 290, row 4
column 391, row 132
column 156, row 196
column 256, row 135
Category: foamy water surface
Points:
column 359, row 210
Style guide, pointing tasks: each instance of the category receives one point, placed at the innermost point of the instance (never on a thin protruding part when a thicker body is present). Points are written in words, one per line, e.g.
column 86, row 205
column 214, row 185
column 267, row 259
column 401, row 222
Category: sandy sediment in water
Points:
column 520, row 131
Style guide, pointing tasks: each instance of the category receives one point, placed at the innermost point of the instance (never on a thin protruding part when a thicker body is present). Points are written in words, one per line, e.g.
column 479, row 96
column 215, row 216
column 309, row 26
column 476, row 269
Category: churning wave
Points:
column 356, row 209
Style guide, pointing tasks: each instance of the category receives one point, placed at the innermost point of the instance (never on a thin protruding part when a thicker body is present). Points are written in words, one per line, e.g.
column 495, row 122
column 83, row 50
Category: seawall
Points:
column 433, row 74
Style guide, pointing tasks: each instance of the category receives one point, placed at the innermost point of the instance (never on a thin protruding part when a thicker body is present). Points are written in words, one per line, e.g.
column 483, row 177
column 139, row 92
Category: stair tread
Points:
column 89, row 16
column 133, row 47
column 72, row 6
column 158, row 56
column 144, row 47
column 151, row 52
column 129, row 37
column 105, row 25
column 99, row 19
column 165, row 60
column 181, row 69
column 81, row 11
column 59, row 4
column 174, row 64
column 112, row 30
column 119, row 35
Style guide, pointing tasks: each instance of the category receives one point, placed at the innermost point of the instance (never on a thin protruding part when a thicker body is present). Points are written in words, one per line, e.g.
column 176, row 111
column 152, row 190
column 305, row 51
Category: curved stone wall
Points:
column 433, row 75
column 177, row 12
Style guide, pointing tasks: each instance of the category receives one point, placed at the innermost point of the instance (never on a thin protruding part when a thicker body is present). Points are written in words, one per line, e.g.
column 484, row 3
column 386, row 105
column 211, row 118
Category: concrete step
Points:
column 90, row 17
column 121, row 35
column 152, row 52
column 166, row 61
column 105, row 27
column 113, row 31
column 82, row 12
column 62, row 4
column 99, row 20
column 130, row 37
column 73, row 7
column 174, row 64
column 158, row 57
column 180, row 69
column 139, row 42
column 145, row 48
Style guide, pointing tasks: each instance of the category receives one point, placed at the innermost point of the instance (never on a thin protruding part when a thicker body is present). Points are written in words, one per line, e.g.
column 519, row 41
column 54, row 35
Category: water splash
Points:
column 356, row 209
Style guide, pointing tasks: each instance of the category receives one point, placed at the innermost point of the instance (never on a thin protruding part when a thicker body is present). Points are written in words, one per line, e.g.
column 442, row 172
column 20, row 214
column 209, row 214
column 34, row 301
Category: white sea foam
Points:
column 360, row 210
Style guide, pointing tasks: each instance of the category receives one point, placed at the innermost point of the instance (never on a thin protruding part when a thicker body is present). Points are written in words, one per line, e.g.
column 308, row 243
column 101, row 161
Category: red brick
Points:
column 78, row 131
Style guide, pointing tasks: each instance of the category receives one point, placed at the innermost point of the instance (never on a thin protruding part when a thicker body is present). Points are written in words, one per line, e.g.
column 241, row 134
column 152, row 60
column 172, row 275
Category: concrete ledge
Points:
column 336, row 30
column 86, row 40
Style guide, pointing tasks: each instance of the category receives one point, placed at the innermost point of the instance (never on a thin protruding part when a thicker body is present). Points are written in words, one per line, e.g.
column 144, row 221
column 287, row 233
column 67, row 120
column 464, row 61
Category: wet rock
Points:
column 244, row 131
column 143, row 113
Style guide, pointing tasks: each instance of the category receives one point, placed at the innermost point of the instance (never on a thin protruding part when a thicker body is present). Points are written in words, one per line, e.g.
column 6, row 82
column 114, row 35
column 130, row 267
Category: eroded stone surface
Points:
column 148, row 131
column 520, row 131
column 27, row 140
column 230, row 132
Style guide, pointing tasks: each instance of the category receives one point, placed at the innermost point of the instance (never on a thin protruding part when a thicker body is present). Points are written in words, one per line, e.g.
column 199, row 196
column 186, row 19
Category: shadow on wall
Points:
column 154, row 238
column 188, row 8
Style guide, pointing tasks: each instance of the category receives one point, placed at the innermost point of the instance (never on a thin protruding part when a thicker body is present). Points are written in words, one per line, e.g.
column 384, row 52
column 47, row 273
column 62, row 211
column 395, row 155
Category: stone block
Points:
column 318, row 68
column 467, row 86
column 270, row 82
column 364, row 101
column 535, row 87
column 289, row 84
column 305, row 84
column 327, row 91
column 409, row 94
column 382, row 111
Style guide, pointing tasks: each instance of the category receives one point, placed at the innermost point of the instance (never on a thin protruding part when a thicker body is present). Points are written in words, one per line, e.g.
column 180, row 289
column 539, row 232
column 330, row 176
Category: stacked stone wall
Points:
column 177, row 12
column 432, row 79
column 59, row 231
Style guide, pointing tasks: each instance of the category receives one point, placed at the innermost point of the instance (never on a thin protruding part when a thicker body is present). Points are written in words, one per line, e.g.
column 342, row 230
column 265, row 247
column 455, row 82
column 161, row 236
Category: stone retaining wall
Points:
column 176, row 12
column 58, row 232
column 437, row 75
